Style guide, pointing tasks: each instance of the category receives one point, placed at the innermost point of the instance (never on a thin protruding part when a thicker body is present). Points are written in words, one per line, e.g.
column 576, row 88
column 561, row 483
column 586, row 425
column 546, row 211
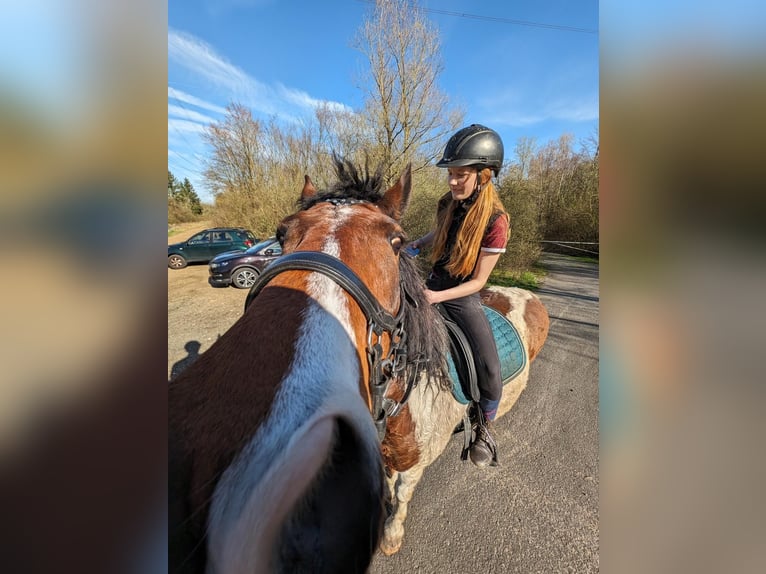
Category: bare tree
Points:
column 525, row 151
column 337, row 131
column 236, row 143
column 407, row 112
column 565, row 184
column 254, row 170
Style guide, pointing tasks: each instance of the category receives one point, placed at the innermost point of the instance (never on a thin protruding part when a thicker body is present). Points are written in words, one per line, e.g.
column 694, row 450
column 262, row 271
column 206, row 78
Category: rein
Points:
column 379, row 321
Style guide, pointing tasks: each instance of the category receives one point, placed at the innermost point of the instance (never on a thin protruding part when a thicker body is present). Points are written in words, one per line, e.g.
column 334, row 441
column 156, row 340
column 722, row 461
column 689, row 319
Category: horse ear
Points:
column 395, row 200
column 308, row 188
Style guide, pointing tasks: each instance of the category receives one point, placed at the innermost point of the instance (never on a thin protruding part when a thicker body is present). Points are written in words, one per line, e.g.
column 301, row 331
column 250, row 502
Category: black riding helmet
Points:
column 475, row 145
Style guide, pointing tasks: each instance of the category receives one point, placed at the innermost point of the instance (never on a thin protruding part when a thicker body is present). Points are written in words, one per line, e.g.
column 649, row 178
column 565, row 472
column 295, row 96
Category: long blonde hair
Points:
column 465, row 252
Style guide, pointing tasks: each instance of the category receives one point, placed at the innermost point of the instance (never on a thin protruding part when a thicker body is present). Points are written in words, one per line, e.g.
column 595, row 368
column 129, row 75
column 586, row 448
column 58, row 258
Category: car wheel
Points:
column 176, row 262
column 244, row 278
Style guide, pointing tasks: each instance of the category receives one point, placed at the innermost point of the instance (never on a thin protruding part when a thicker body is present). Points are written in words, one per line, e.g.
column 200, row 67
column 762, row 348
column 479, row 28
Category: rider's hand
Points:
column 432, row 296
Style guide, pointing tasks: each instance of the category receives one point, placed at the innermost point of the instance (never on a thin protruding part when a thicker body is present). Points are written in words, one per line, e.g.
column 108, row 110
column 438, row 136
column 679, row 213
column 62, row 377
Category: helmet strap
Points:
column 479, row 185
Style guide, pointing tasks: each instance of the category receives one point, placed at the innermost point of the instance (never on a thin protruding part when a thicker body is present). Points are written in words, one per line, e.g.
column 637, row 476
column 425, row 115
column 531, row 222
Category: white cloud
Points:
column 202, row 60
column 185, row 126
column 518, row 119
column 574, row 110
column 181, row 96
column 565, row 91
column 517, row 110
column 199, row 57
column 303, row 100
column 187, row 114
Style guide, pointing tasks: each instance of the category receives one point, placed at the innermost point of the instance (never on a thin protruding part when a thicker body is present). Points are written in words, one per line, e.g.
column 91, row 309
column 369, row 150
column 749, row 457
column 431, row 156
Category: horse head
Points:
column 275, row 461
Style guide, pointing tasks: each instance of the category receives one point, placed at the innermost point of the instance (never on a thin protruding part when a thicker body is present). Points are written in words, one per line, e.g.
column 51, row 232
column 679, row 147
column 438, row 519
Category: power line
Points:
column 182, row 163
column 501, row 20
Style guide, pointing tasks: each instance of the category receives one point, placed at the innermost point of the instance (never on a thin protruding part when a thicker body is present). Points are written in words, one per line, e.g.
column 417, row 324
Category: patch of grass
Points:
column 525, row 279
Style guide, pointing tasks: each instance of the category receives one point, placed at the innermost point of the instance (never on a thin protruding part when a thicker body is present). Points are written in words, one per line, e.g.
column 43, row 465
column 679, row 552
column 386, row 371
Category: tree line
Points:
column 183, row 202
column 255, row 168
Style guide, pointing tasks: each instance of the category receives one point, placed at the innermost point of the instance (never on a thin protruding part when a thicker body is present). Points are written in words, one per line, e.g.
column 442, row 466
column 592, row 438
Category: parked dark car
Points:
column 242, row 269
column 205, row 245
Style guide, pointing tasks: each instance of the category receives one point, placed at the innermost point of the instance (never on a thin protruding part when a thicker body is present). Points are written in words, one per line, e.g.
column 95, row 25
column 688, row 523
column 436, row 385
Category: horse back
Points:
column 525, row 310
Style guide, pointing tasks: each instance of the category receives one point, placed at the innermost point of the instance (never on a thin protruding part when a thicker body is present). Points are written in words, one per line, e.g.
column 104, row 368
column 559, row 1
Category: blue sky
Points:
column 282, row 57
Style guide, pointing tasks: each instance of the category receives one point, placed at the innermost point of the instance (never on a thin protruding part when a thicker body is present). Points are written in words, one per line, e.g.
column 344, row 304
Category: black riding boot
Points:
column 483, row 449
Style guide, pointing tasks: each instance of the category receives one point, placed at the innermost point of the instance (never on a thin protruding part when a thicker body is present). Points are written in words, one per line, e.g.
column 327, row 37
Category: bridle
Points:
column 382, row 368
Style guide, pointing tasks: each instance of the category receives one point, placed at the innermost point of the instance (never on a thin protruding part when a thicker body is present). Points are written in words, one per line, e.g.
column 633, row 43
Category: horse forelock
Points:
column 352, row 184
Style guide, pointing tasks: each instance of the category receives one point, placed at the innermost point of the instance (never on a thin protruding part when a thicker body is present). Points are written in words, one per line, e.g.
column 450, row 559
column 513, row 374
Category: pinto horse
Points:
column 325, row 401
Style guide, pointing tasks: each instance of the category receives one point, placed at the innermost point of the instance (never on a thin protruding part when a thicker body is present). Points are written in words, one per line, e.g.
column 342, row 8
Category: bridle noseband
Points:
column 379, row 321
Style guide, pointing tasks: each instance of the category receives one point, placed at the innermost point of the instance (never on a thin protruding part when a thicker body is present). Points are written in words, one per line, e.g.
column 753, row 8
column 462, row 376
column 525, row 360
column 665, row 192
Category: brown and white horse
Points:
column 275, row 462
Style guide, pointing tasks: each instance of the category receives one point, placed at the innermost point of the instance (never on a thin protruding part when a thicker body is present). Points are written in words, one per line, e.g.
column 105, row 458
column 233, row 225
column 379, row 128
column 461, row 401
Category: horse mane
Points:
column 352, row 184
column 427, row 342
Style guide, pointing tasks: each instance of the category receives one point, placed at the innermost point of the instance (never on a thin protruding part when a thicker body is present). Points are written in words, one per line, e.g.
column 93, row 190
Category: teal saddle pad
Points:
column 513, row 356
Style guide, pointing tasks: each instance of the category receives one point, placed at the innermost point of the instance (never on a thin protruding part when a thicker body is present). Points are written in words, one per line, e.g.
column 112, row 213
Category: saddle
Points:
column 462, row 369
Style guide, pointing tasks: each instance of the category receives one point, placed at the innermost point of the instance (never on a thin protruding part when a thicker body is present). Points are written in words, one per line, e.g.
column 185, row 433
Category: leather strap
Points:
column 339, row 272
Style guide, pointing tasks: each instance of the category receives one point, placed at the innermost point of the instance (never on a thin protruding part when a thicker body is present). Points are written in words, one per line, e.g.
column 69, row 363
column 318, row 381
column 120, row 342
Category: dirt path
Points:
column 197, row 313
column 181, row 231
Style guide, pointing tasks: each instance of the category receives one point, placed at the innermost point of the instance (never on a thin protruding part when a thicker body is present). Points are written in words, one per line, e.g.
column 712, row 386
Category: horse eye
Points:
column 397, row 243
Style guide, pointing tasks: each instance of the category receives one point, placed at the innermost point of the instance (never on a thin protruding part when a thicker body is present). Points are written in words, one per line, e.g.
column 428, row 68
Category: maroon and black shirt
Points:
column 494, row 241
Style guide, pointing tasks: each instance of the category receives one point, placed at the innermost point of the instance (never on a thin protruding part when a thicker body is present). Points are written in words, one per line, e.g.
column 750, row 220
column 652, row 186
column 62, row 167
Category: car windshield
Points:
column 258, row 246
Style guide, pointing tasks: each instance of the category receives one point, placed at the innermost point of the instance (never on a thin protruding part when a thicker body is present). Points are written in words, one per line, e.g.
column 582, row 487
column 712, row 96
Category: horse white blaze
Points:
column 272, row 472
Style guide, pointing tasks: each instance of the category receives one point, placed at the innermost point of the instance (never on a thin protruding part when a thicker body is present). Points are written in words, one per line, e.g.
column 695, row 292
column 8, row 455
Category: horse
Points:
column 297, row 439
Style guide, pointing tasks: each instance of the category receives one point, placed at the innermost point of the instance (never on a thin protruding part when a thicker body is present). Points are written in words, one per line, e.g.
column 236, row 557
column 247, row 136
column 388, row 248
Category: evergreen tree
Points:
column 172, row 185
column 183, row 201
column 187, row 195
